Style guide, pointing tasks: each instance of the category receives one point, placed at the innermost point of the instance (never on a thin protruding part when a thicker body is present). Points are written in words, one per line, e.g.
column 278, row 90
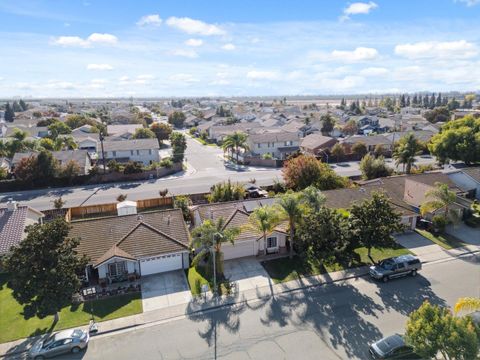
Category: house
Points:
column 81, row 157
column 145, row 151
column 278, row 144
column 85, row 138
column 133, row 244
column 122, row 132
column 370, row 142
column 316, row 144
column 236, row 214
column 467, row 179
column 13, row 221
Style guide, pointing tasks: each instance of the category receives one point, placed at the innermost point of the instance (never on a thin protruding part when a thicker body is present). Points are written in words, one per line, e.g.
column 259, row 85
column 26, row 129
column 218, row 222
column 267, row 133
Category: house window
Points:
column 259, row 145
column 138, row 152
column 149, row 151
column 131, row 152
column 272, row 242
column 114, row 153
column 117, row 268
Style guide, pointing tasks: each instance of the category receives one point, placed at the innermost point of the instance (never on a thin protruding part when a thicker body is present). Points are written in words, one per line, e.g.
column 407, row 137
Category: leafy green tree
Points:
column 177, row 119
column 58, row 128
column 226, row 191
column 322, row 234
column 47, row 144
column 328, row 123
column 212, row 234
column 70, row 171
column 432, row 329
column 438, row 114
column 16, row 107
column 305, row 170
column 373, row 168
column 458, row 140
column 338, row 151
column 359, row 149
column 379, row 150
column 264, row 219
column 441, row 198
column 44, row 268
column 183, row 202
column 235, row 142
column 59, row 203
column 47, row 167
column 179, row 145
column 372, row 223
column 162, row 131
column 23, row 105
column 405, row 151
column 143, row 133
column 290, row 204
column 312, row 198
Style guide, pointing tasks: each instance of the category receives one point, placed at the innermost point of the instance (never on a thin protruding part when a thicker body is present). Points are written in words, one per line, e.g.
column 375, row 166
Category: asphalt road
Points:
column 334, row 321
column 205, row 168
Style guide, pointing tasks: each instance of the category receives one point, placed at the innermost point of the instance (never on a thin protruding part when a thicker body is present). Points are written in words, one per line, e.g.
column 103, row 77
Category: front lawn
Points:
column 14, row 325
column 286, row 269
column 446, row 241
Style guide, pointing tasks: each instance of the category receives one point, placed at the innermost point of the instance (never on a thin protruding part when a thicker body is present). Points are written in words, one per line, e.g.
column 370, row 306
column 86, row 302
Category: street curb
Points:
column 233, row 303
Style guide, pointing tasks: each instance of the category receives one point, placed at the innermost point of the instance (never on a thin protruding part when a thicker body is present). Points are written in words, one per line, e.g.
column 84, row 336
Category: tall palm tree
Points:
column 264, row 219
column 289, row 204
column 440, row 198
column 467, row 304
column 312, row 197
column 405, row 152
column 212, row 234
column 235, row 141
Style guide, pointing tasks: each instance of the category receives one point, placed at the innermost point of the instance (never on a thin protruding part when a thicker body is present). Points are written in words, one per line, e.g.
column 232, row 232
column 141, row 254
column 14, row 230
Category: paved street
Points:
column 334, row 321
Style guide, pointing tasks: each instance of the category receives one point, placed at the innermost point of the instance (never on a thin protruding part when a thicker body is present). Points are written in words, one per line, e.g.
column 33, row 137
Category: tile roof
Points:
column 473, row 172
column 316, row 140
column 274, row 137
column 64, row 156
column 138, row 235
column 12, row 227
column 136, row 144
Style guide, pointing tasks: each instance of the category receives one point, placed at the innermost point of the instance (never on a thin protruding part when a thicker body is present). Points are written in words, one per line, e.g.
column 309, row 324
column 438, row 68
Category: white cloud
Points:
column 98, row 81
column 153, row 20
column 262, row 75
column 359, row 54
column 436, row 49
column 124, row 78
column 374, row 71
column 188, row 53
column 188, row 78
column 358, row 8
column 146, row 77
column 100, row 67
column 192, row 26
column 194, row 42
column 228, row 47
column 56, row 84
column 469, row 2
column 76, row 41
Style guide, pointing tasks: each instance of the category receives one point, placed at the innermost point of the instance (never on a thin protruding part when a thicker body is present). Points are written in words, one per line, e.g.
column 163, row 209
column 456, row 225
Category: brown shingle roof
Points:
column 12, row 226
column 139, row 235
column 316, row 140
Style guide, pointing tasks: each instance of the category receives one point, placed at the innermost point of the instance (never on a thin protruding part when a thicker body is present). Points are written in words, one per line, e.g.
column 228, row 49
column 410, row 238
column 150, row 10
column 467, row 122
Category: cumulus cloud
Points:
column 374, row 71
column 194, row 42
column 358, row 8
column 150, row 20
column 228, row 47
column 76, row 41
column 101, row 67
column 436, row 49
column 188, row 53
column 262, row 75
column 359, row 54
column 192, row 26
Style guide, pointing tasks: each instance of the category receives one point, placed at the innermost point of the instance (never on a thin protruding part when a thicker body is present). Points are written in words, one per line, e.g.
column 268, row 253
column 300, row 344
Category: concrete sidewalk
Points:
column 201, row 304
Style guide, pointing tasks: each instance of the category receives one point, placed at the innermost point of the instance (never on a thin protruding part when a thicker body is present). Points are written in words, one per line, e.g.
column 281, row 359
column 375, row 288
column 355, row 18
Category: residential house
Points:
column 133, row 245
column 316, row 144
column 467, row 179
column 236, row 214
column 86, row 139
column 81, row 157
column 370, row 141
column 145, row 151
column 13, row 221
column 122, row 132
column 278, row 144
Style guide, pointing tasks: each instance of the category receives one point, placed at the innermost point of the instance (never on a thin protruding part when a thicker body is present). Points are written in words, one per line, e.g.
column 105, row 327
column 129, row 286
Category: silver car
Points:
column 395, row 267
column 67, row 341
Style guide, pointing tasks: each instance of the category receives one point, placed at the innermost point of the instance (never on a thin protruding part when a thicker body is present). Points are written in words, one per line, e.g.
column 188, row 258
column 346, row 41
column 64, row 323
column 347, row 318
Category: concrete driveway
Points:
column 420, row 246
column 163, row 290
column 247, row 272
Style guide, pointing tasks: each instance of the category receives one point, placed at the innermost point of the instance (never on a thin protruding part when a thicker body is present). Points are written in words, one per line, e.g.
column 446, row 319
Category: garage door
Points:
column 160, row 264
column 240, row 249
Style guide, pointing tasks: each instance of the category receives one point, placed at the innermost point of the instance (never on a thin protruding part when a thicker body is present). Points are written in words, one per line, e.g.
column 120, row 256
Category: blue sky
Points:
column 93, row 48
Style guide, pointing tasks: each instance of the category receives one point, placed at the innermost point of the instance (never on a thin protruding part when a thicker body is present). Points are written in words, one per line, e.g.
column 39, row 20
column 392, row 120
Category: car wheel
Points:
column 414, row 273
column 75, row 350
column 385, row 279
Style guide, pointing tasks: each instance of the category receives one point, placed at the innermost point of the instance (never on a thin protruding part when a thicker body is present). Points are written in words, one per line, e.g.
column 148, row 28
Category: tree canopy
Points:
column 179, row 145
column 373, row 168
column 177, row 119
column 144, row 133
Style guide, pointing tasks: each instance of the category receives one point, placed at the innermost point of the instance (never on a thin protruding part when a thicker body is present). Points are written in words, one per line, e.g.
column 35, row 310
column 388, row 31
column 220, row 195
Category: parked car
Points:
column 67, row 341
column 395, row 267
column 392, row 347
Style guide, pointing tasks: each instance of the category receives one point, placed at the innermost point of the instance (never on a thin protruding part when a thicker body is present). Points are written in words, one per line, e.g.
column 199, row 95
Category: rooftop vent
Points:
column 12, row 205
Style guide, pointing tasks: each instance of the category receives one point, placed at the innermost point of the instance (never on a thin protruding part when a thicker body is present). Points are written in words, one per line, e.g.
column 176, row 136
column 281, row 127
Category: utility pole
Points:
column 214, row 268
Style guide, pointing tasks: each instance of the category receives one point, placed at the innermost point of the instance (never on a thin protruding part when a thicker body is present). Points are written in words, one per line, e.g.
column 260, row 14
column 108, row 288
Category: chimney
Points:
column 12, row 205
column 168, row 220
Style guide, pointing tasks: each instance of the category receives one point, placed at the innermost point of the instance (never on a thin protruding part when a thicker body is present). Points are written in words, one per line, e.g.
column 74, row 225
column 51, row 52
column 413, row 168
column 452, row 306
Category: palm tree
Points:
column 235, row 141
column 313, row 197
column 289, row 204
column 440, row 198
column 212, row 234
column 405, row 152
column 467, row 304
column 264, row 219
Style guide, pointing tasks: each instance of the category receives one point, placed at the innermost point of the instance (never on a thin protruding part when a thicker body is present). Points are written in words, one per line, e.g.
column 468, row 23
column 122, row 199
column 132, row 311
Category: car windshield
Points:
column 77, row 333
column 48, row 341
column 386, row 264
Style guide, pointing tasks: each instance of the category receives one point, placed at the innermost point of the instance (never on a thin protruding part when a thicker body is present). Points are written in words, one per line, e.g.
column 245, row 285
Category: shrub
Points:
column 267, row 156
column 132, row 167
column 439, row 222
column 167, row 163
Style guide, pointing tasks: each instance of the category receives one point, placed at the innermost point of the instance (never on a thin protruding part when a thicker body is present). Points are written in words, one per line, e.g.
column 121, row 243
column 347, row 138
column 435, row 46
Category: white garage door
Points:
column 161, row 263
column 240, row 249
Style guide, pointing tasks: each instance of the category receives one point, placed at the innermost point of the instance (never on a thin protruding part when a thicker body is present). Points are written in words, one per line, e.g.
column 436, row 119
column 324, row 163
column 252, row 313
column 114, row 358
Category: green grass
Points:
column 286, row 269
column 446, row 241
column 205, row 142
column 14, row 325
